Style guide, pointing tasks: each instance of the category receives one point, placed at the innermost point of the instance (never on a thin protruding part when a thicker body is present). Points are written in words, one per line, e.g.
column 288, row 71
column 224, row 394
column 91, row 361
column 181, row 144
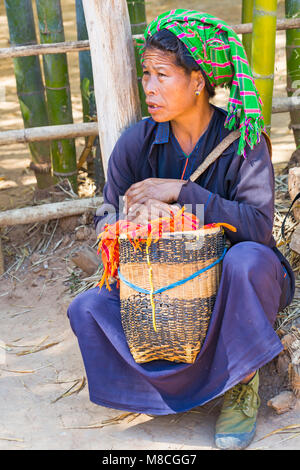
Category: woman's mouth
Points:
column 153, row 108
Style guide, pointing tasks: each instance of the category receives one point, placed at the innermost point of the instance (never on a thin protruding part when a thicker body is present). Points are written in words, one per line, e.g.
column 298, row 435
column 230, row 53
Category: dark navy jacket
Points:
column 233, row 189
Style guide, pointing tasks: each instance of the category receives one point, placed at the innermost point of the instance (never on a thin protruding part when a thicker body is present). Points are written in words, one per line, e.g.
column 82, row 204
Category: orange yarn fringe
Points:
column 137, row 234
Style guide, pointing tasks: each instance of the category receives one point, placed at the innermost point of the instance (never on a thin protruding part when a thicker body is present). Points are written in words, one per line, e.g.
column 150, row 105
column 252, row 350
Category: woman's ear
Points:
column 199, row 82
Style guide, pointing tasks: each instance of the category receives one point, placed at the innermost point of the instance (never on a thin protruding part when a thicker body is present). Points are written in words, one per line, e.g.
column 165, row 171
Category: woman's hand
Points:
column 152, row 209
column 159, row 189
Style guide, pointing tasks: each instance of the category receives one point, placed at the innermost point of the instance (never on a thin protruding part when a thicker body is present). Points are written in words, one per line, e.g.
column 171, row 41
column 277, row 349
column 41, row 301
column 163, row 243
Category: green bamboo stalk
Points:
column 263, row 53
column 247, row 17
column 292, row 10
column 57, row 89
column 85, row 67
column 137, row 15
column 94, row 160
column 30, row 87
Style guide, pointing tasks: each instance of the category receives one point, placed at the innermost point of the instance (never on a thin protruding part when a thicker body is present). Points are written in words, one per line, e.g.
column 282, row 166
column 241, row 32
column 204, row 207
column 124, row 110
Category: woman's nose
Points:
column 150, row 87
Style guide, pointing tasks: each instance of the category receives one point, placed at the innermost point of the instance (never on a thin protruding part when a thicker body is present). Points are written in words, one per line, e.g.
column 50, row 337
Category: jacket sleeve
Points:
column 250, row 203
column 120, row 176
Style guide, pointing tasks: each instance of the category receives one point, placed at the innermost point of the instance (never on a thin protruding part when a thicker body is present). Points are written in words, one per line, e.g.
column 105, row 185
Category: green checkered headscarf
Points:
column 219, row 52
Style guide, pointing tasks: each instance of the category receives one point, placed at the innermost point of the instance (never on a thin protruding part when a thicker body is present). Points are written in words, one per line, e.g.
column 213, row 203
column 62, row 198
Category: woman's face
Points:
column 169, row 90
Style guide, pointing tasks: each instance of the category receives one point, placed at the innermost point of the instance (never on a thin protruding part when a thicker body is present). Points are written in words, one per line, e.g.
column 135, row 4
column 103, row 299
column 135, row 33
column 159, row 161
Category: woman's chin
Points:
column 159, row 117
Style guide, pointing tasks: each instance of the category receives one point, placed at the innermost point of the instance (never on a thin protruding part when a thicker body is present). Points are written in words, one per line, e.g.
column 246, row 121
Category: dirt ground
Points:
column 44, row 400
column 40, row 362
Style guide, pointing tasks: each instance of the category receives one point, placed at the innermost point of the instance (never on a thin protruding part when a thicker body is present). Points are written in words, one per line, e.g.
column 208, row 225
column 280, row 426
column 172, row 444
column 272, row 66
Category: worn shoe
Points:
column 236, row 425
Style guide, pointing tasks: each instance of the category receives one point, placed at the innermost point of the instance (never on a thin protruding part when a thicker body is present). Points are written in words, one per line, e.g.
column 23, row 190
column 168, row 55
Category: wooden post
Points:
column 43, row 212
column 137, row 16
column 114, row 70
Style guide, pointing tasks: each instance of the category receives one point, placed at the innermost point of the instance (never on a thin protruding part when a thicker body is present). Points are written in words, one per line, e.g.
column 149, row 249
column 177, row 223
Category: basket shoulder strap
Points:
column 219, row 149
column 216, row 153
column 269, row 143
column 287, row 214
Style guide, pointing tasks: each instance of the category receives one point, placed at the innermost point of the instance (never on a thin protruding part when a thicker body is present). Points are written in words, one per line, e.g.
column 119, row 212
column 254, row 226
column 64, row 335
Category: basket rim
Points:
column 198, row 232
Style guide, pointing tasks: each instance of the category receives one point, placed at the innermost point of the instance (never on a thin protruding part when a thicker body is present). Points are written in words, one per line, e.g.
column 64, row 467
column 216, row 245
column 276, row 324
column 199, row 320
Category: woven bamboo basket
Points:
column 170, row 324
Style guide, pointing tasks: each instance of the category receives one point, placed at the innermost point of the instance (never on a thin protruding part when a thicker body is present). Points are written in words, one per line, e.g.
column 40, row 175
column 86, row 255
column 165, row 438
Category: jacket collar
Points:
column 161, row 136
column 162, row 133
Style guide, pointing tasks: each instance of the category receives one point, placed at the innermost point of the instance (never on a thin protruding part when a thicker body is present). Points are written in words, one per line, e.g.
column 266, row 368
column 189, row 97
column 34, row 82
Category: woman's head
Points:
column 217, row 49
column 166, row 41
column 172, row 80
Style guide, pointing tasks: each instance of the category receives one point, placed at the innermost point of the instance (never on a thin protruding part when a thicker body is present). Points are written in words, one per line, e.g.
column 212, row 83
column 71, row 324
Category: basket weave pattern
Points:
column 183, row 312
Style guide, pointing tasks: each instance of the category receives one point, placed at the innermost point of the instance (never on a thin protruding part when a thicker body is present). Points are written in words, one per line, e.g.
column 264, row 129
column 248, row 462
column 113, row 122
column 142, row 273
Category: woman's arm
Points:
column 250, row 203
column 120, row 177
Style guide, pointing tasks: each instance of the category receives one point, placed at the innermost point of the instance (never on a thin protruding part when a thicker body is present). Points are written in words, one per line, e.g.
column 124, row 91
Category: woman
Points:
column 186, row 55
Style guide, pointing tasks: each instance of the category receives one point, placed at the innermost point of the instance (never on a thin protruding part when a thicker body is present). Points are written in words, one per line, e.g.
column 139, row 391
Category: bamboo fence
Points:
column 279, row 105
column 84, row 45
column 36, row 134
column 53, row 132
column 58, row 93
column 29, row 81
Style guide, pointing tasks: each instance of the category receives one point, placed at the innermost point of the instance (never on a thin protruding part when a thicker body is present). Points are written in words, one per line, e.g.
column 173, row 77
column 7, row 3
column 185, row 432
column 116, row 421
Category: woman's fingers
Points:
column 164, row 190
column 137, row 193
column 152, row 209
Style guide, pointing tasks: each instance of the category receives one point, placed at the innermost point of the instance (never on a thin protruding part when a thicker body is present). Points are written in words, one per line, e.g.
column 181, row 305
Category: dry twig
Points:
column 108, row 422
column 81, row 384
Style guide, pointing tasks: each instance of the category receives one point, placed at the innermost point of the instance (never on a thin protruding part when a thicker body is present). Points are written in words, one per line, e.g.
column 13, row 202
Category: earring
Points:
column 197, row 93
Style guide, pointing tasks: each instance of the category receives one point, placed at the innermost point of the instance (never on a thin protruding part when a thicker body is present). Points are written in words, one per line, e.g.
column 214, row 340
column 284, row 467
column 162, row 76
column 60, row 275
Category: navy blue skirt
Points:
column 254, row 287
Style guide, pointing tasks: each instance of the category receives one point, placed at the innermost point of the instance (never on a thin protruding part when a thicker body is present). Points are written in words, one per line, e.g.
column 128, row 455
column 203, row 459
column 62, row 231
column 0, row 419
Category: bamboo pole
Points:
column 85, row 67
column 57, row 89
column 77, row 46
column 137, row 15
column 55, row 48
column 247, row 15
column 30, row 88
column 40, row 134
column 114, row 70
column 92, row 152
column 263, row 53
column 285, row 105
column 55, row 210
column 279, row 105
column 292, row 10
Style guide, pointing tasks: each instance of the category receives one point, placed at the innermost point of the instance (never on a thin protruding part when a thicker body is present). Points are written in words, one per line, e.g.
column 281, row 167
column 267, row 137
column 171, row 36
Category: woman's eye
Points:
column 162, row 75
column 145, row 72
